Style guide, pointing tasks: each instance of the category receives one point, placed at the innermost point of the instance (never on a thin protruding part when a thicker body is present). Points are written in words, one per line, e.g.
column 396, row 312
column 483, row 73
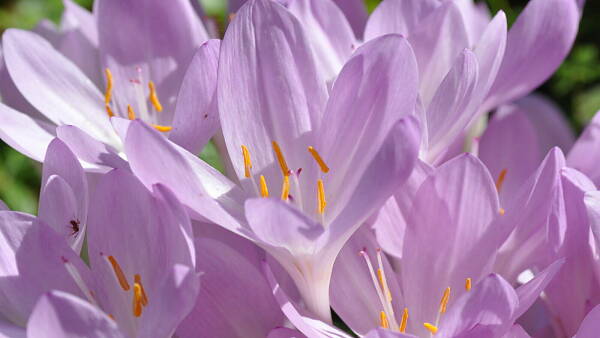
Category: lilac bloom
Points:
column 458, row 80
column 451, row 238
column 332, row 161
column 488, row 307
column 141, row 279
column 583, row 154
column 143, row 48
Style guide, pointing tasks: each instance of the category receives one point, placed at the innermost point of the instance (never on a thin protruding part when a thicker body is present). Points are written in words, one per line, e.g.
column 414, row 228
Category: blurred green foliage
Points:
column 575, row 86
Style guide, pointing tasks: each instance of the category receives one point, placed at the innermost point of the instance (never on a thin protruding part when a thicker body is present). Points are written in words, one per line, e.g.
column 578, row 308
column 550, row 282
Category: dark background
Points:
column 575, row 86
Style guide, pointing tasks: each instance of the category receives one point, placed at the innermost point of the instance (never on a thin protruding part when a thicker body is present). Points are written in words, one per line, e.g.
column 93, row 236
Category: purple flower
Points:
column 142, row 49
column 329, row 162
column 141, row 280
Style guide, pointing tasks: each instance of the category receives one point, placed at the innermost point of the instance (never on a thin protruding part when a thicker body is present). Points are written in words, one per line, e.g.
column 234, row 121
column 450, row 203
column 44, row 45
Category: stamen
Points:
column 468, row 284
column 130, row 113
column 282, row 164
column 247, row 161
column 500, row 180
column 404, row 320
column 162, row 129
column 138, row 280
column 383, row 320
column 264, row 190
column 109, row 110
column 431, row 328
column 387, row 306
column 154, row 97
column 381, row 275
column 501, row 211
column 318, row 159
column 321, row 196
column 108, row 92
column 109, row 86
column 119, row 273
column 285, row 189
column 137, row 300
column 444, row 301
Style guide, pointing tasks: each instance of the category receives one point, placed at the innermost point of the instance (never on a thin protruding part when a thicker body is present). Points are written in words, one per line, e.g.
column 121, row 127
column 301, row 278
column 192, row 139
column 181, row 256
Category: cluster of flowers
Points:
column 347, row 206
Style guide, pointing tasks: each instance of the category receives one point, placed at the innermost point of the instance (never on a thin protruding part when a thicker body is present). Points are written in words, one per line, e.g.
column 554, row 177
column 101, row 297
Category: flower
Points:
column 336, row 160
column 142, row 80
column 141, row 279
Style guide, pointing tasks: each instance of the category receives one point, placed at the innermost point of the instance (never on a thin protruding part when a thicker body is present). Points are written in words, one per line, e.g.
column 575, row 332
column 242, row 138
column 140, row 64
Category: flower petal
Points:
column 581, row 156
column 24, row 133
column 447, row 115
column 537, row 44
column 269, row 88
column 94, row 155
column 401, row 17
column 530, row 291
column 150, row 40
column 224, row 307
column 154, row 159
column 359, row 116
column 196, row 117
column 328, row 33
column 590, row 325
column 485, row 311
column 61, row 315
column 450, row 232
column 54, row 85
column 510, row 143
column 437, row 42
column 34, row 257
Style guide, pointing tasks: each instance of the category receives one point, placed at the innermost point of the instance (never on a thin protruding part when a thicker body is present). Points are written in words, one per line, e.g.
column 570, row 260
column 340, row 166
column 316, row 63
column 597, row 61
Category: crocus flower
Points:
column 330, row 162
column 144, row 48
column 451, row 239
column 142, row 277
column 455, row 85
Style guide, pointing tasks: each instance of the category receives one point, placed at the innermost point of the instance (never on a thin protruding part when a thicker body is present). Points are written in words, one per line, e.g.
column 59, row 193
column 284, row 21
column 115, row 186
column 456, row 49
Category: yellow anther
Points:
column 285, row 188
column 119, row 273
column 137, row 300
column 404, row 320
column 247, row 161
column 282, row 164
column 384, row 287
column 109, row 110
column 431, row 328
column 468, row 284
column 162, row 129
column 500, row 180
column 111, row 316
column 501, row 211
column 321, row 196
column 138, row 280
column 130, row 113
column 383, row 321
column 264, row 190
column 154, row 97
column 444, row 301
column 318, row 159
column 109, row 86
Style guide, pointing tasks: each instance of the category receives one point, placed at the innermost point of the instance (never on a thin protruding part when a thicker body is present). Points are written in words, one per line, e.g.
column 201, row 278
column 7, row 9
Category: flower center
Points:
column 152, row 98
column 140, row 299
column 261, row 189
column 387, row 318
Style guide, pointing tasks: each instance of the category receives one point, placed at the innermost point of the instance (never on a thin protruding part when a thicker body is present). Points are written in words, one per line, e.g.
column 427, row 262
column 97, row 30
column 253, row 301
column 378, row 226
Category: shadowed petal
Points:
column 196, row 120
column 61, row 315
